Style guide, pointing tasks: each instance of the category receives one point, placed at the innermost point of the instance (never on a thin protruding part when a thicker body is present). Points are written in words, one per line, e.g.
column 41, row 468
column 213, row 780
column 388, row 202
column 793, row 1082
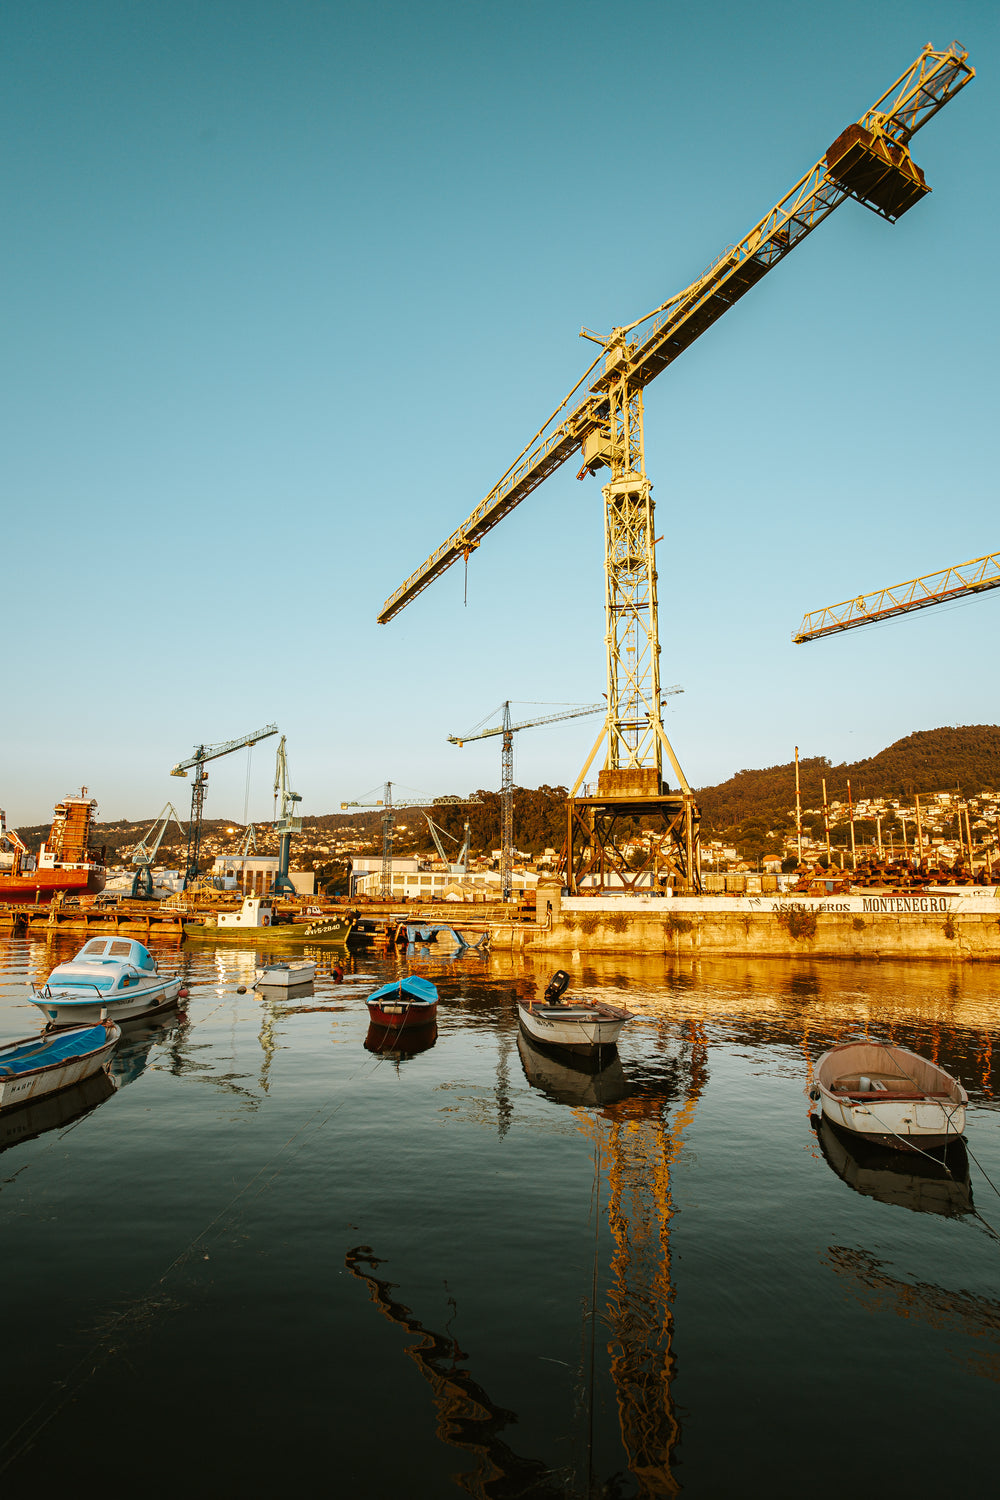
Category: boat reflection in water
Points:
column 53, row 1111
column 286, row 993
column 400, row 1043
column 938, row 1186
column 131, row 1057
column 573, row 1078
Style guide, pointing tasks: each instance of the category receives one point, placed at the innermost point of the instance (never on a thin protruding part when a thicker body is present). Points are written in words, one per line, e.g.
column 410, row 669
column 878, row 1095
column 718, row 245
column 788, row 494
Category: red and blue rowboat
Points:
column 405, row 1002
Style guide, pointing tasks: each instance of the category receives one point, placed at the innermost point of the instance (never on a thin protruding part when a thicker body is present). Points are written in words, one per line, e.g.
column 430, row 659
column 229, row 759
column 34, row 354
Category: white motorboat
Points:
column 287, row 975
column 41, row 1065
column 889, row 1095
column 114, row 977
column 576, row 1025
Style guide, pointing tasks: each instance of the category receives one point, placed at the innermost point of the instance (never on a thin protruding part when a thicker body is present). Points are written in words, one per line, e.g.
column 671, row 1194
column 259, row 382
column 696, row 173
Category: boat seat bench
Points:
column 885, row 1095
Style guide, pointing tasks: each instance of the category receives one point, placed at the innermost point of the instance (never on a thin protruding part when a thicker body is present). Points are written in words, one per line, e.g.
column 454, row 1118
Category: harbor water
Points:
column 276, row 1252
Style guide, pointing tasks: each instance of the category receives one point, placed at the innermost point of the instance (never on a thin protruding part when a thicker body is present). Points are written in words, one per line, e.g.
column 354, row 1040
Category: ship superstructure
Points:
column 64, row 865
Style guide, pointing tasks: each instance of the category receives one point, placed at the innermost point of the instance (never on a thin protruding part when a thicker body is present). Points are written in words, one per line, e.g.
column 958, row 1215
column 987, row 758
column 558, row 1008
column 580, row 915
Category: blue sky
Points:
column 289, row 285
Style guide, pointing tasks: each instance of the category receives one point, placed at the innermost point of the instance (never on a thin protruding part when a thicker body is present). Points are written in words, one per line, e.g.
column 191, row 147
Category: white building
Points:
column 254, row 874
column 418, row 880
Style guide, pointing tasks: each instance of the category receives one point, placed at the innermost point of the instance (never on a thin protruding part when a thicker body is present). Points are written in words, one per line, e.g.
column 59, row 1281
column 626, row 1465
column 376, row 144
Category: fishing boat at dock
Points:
column 889, row 1095
column 115, row 977
column 405, row 1002
column 573, row 1025
column 258, row 924
column 39, row 1065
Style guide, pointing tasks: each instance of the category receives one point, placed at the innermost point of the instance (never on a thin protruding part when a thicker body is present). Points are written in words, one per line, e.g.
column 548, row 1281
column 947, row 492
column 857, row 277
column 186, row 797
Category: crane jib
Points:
column 869, row 161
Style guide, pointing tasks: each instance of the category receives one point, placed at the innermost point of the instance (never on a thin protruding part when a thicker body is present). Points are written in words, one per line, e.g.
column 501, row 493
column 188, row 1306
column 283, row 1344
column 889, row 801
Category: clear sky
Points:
column 288, row 285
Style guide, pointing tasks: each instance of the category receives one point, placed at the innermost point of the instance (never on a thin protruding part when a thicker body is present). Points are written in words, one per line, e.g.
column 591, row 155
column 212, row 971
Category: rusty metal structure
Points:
column 69, row 837
column 959, row 582
column 869, row 161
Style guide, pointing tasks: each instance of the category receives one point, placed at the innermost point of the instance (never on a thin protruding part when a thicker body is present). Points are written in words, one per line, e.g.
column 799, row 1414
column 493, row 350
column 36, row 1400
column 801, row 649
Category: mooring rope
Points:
column 939, row 1162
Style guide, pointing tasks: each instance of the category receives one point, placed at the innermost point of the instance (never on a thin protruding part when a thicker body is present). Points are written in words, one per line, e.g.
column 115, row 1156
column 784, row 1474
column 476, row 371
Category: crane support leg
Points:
column 198, row 791
column 282, row 883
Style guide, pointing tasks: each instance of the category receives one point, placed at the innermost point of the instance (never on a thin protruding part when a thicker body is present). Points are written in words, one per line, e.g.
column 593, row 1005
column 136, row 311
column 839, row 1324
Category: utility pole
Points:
column 798, row 805
column 507, row 807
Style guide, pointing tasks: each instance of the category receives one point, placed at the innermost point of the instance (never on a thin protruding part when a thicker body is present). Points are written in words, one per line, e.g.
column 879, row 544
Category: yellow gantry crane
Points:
column 973, row 577
column 869, row 161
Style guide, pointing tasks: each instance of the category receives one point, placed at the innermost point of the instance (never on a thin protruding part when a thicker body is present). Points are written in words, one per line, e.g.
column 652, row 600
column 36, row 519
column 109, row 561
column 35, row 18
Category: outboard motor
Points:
column 557, row 986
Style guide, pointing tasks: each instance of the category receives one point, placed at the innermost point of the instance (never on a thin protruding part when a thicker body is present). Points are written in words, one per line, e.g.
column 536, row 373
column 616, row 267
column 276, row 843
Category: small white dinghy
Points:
column 288, row 975
column 114, row 977
column 40, row 1065
column 889, row 1095
column 574, row 1025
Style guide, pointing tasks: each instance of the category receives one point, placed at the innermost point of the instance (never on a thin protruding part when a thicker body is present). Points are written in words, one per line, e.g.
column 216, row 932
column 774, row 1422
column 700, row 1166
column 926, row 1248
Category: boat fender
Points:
column 265, row 921
column 241, row 989
column 183, row 992
column 814, row 1093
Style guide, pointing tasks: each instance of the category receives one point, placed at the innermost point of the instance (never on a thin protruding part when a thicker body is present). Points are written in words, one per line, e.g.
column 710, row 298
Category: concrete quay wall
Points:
column 962, row 926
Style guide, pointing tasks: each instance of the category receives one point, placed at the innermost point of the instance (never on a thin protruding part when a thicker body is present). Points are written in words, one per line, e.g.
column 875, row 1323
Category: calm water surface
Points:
column 270, row 1257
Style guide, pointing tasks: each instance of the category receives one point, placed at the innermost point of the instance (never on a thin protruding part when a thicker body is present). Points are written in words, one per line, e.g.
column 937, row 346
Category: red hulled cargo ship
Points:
column 63, row 866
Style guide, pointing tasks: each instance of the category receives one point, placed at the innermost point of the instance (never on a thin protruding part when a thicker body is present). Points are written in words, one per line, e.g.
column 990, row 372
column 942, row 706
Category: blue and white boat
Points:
column 40, row 1065
column 114, row 977
column 411, row 1001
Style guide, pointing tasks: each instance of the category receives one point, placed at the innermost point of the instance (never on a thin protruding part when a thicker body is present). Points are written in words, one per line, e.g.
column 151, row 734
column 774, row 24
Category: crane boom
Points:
column 571, row 713
column 212, row 752
column 870, row 161
column 203, row 753
column 917, row 593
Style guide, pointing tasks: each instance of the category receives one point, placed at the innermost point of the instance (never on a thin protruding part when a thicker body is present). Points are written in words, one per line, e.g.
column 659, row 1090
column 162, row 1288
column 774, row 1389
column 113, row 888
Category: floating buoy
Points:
column 241, row 989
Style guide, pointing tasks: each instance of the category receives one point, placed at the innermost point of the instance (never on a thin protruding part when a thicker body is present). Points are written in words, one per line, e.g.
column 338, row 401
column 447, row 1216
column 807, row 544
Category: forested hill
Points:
column 931, row 760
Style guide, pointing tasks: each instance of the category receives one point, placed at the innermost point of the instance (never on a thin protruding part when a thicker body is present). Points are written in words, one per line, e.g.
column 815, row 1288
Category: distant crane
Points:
column 196, row 762
column 463, row 852
column 143, row 854
column 287, row 824
column 870, row 162
column 389, row 808
column 11, row 836
column 973, row 577
column 508, row 730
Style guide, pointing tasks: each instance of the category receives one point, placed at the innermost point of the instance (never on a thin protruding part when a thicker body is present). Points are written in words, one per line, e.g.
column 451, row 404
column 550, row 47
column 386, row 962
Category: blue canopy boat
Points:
column 39, row 1065
column 405, row 1002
